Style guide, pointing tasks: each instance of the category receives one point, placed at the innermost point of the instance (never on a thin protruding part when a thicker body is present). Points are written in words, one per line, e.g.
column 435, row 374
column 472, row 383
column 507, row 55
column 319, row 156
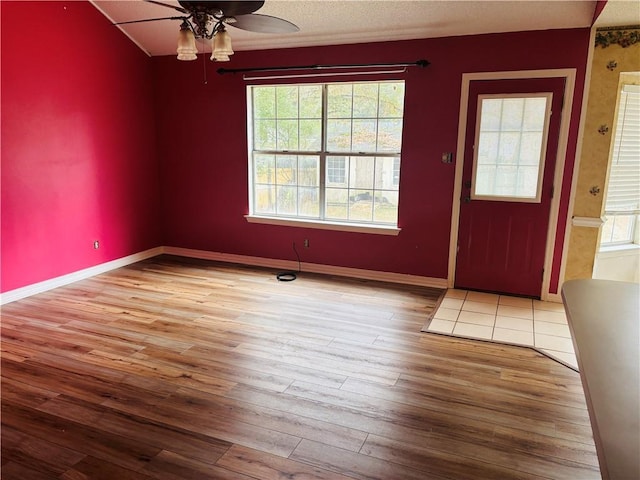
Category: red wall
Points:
column 202, row 148
column 99, row 142
column 78, row 142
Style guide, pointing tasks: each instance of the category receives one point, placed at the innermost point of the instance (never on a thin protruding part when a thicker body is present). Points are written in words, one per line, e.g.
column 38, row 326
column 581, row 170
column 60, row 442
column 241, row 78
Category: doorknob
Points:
column 467, row 199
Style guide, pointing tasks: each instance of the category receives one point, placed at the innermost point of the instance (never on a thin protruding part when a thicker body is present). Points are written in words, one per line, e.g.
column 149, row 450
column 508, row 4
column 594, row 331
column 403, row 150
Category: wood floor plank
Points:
column 25, row 393
column 97, row 469
column 285, row 422
column 111, row 448
column 265, row 466
column 474, row 463
column 175, row 368
column 24, row 472
column 300, row 356
column 356, row 465
column 414, row 416
column 189, row 444
column 206, row 416
column 42, row 455
column 168, row 465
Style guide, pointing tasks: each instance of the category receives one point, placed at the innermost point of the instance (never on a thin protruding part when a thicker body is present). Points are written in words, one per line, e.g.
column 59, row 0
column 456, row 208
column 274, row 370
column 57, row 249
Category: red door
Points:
column 509, row 162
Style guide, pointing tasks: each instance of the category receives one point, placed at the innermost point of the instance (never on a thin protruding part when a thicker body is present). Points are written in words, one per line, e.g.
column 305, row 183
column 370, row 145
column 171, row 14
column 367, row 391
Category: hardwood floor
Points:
column 181, row 369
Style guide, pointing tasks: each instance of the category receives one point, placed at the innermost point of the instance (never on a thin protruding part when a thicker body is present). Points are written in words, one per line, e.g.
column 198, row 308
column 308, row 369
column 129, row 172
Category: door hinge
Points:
column 553, row 190
column 542, row 276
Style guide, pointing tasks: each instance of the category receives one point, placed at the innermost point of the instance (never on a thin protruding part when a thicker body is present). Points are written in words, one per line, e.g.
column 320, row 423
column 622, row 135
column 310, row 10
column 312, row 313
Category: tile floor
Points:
column 514, row 320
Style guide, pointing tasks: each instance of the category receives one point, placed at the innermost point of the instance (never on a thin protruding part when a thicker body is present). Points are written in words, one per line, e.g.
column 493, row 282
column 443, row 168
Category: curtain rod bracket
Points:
column 419, row 63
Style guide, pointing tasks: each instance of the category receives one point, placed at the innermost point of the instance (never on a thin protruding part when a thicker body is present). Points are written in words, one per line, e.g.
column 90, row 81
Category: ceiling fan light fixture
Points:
column 221, row 46
column 220, row 57
column 205, row 20
column 187, row 49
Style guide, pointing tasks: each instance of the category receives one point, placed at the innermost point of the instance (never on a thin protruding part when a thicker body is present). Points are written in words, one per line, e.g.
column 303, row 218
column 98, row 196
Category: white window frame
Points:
column 326, row 224
column 628, row 94
column 543, row 148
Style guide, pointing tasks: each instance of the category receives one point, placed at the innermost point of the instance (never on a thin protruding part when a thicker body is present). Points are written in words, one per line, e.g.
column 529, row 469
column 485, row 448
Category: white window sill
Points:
column 631, row 249
column 337, row 226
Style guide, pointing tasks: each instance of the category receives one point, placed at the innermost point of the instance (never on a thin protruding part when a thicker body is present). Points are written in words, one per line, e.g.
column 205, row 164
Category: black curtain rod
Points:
column 419, row 63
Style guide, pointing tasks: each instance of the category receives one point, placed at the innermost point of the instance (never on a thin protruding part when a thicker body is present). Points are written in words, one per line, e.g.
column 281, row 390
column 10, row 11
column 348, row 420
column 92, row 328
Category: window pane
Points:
column 286, row 167
column 385, row 207
column 287, row 135
column 337, row 203
column 361, row 172
column 309, row 171
column 265, row 199
column 527, row 180
column 287, row 102
column 364, row 135
column 396, row 172
column 264, row 134
column 491, row 114
column 336, row 171
column 531, row 143
column 339, row 101
column 308, row 203
column 389, row 135
column 509, row 158
column 509, row 148
column 286, row 200
column 486, row 178
column 488, row 149
column 310, row 101
column 365, row 100
column 264, row 169
column 391, row 101
column 264, row 102
column 310, row 137
column 361, row 205
column 387, row 173
column 534, row 108
column 618, row 229
column 512, row 114
column 505, row 180
column 339, row 135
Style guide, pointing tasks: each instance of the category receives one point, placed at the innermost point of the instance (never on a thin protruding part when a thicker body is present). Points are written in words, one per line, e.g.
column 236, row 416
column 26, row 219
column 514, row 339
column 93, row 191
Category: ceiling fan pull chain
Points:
column 204, row 62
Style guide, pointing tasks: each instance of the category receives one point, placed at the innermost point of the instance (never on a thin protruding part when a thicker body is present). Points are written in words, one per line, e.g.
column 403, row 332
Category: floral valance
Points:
column 623, row 36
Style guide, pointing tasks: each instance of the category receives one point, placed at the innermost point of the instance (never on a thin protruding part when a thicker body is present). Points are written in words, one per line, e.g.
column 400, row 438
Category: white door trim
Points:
column 570, row 79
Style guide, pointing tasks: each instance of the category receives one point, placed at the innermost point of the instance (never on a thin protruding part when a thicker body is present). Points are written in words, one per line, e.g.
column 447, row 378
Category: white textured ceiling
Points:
column 619, row 13
column 334, row 22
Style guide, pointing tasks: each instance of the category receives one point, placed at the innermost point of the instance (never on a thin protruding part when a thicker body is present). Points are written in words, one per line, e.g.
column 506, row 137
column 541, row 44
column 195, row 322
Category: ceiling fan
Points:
column 208, row 20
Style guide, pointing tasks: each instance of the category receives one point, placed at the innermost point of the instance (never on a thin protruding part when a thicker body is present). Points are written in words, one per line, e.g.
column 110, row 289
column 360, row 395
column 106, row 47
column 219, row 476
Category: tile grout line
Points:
column 491, row 337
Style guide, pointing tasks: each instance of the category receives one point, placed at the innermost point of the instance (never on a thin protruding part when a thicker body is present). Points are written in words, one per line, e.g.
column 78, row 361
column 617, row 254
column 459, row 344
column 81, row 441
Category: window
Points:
column 622, row 203
column 336, row 174
column 326, row 152
column 511, row 140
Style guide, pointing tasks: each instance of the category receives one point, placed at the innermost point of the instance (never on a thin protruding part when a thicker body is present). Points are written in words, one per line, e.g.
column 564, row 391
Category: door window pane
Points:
column 509, row 148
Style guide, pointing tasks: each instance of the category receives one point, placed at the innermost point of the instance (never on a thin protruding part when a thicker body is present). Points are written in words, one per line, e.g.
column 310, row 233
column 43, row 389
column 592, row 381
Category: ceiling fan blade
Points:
column 263, row 24
column 180, row 9
column 150, row 20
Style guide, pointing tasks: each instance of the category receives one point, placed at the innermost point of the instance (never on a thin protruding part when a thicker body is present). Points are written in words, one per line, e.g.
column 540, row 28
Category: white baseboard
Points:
column 310, row 267
column 553, row 297
column 35, row 288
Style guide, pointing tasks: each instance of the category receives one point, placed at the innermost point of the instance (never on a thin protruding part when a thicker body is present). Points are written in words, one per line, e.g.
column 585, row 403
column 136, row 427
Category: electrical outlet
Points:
column 306, row 243
column 96, row 244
